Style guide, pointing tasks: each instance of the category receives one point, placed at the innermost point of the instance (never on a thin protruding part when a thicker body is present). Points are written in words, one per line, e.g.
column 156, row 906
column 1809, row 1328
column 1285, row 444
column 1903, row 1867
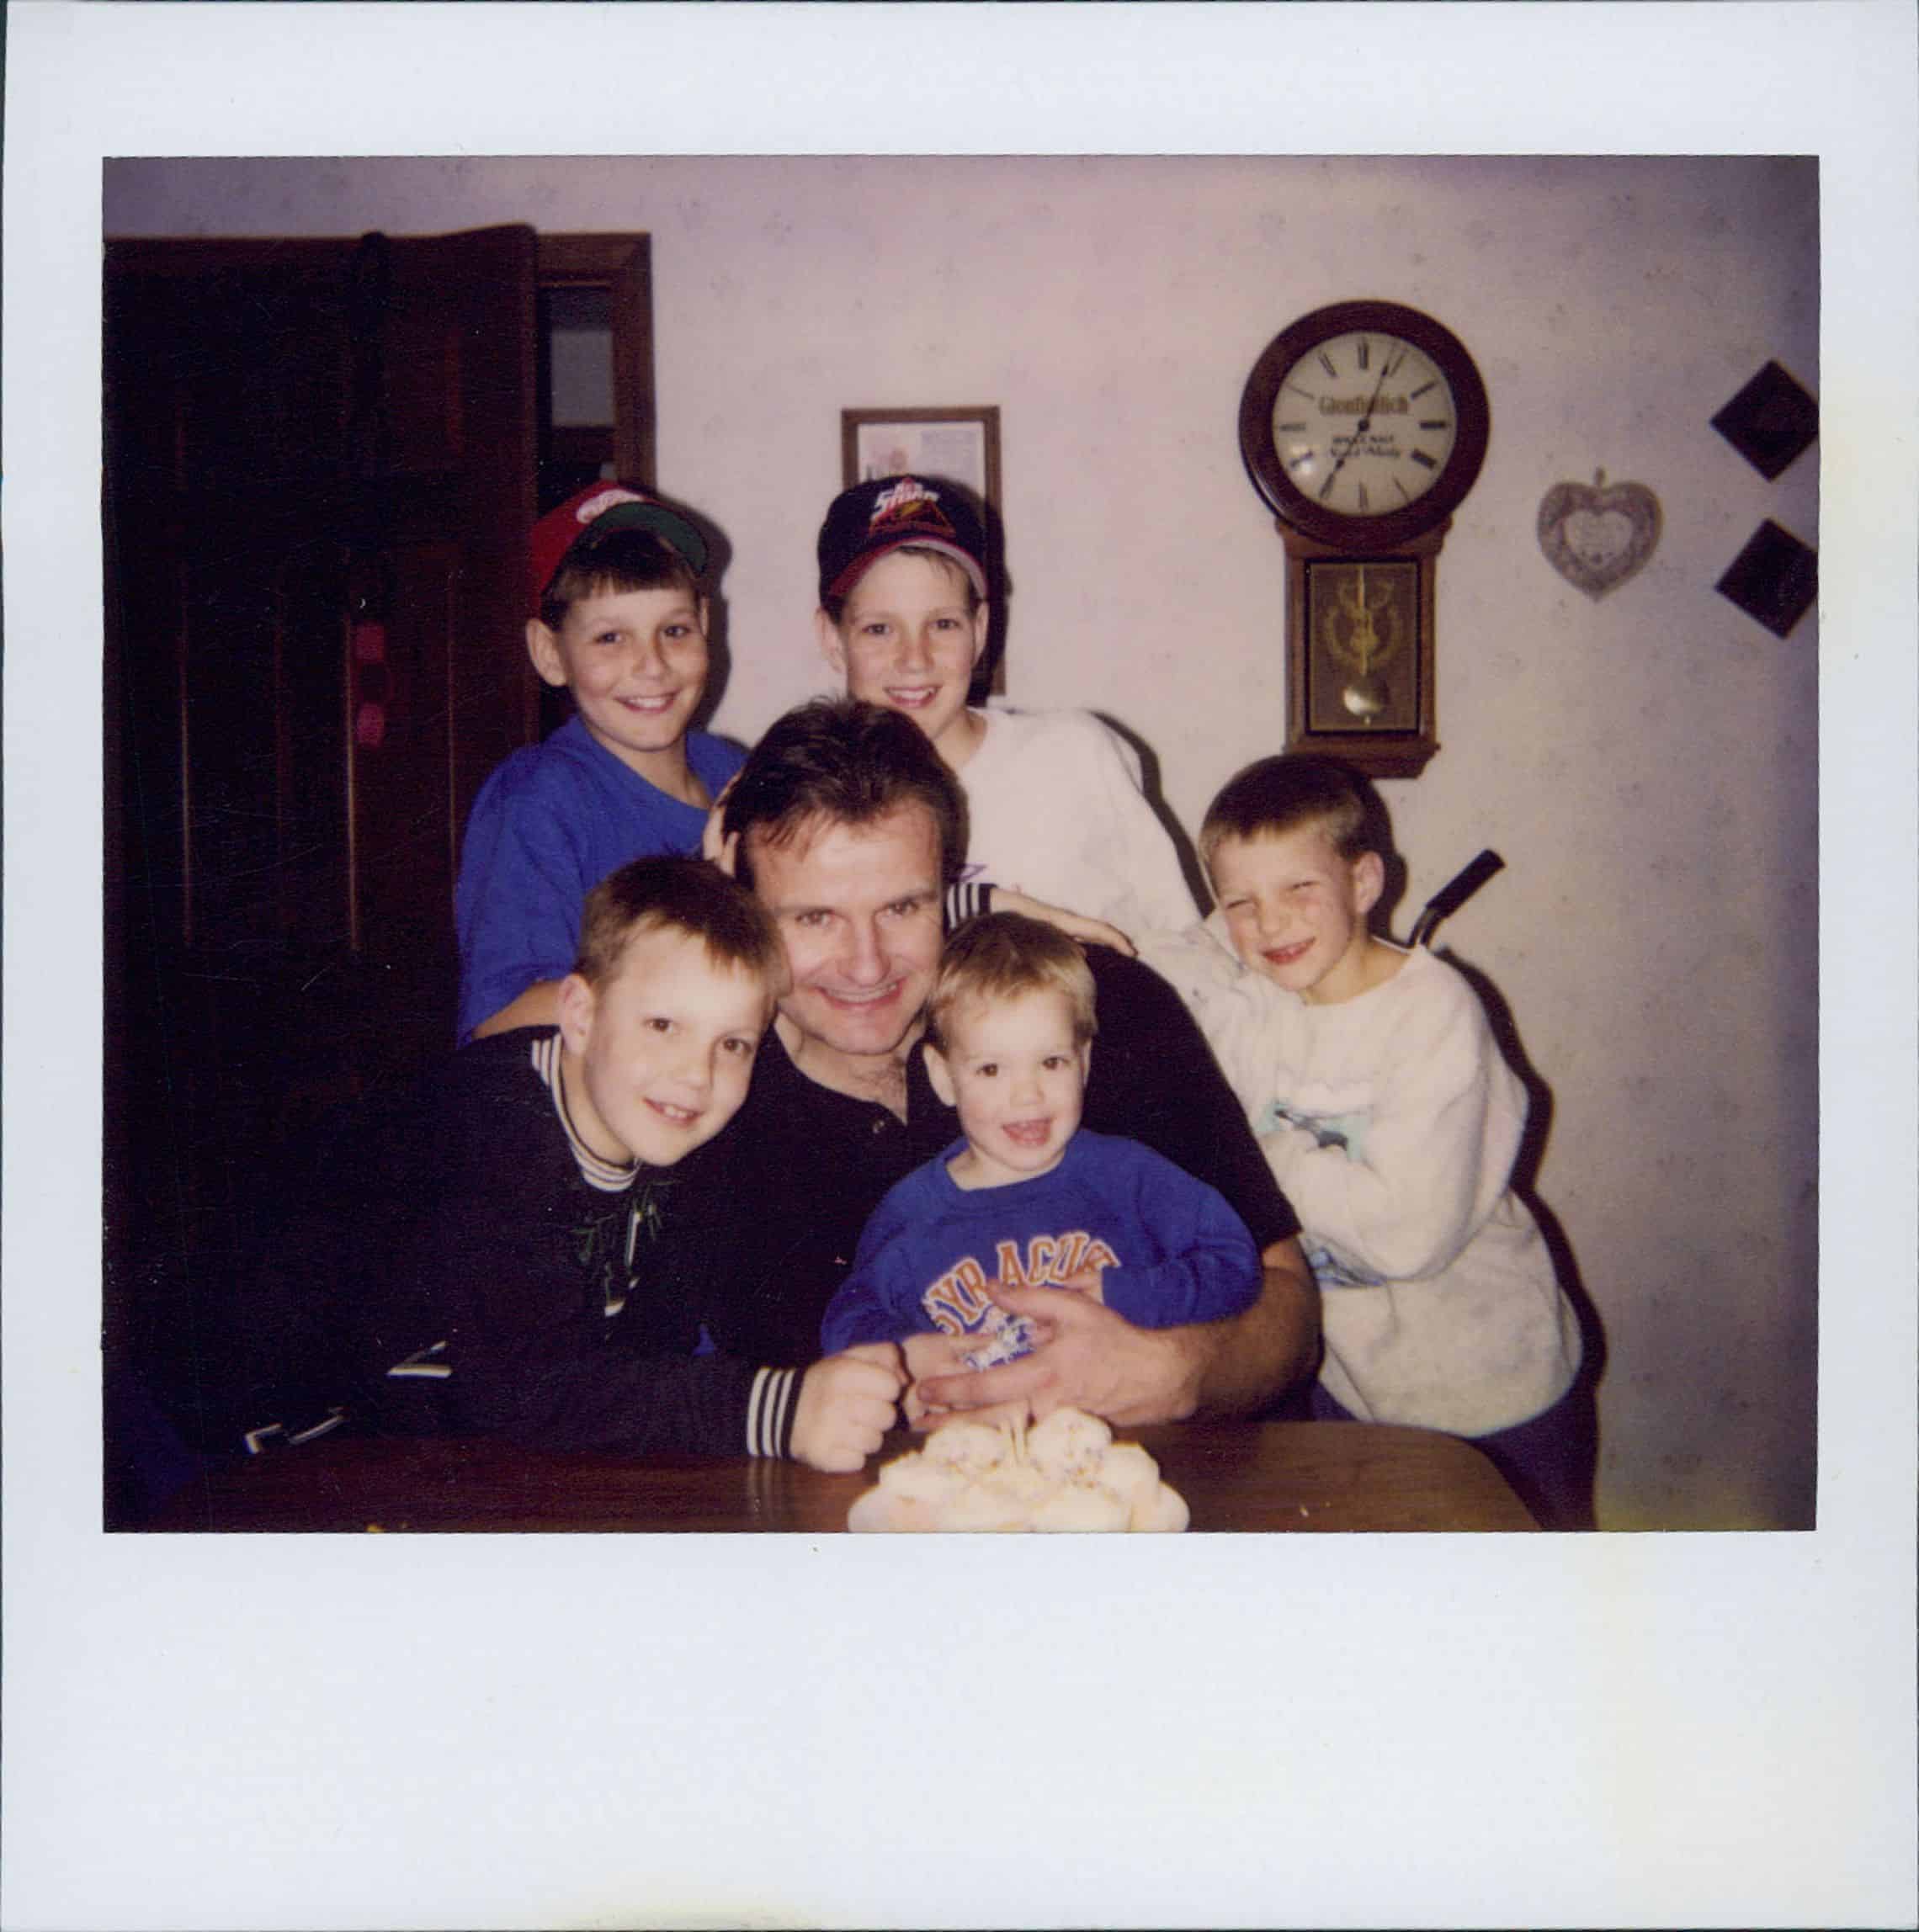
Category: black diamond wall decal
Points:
column 1774, row 579
column 1769, row 422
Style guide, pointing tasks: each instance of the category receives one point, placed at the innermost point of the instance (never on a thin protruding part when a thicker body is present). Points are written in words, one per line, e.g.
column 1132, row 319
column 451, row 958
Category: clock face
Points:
column 1364, row 423
column 1363, row 426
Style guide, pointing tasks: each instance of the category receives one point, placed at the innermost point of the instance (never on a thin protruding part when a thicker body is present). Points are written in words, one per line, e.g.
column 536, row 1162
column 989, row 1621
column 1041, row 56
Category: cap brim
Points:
column 668, row 525
column 842, row 584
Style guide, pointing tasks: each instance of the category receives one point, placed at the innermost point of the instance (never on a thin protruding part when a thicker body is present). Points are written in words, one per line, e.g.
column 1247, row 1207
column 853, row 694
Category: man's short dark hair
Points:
column 843, row 761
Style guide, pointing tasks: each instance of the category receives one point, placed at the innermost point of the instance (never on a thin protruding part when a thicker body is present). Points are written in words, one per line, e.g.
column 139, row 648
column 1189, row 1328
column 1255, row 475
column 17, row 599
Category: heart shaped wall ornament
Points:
column 1598, row 535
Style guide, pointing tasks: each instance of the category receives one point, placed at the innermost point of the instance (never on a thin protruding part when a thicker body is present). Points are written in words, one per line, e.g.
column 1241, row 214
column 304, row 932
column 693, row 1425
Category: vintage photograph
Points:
column 405, row 1229
column 794, row 794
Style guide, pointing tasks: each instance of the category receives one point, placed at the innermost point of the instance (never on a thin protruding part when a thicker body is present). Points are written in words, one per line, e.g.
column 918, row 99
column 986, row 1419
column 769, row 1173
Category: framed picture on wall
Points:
column 960, row 444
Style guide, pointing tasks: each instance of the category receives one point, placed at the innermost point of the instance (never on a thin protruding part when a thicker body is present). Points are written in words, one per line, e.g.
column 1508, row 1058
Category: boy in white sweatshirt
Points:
column 1053, row 806
column 1392, row 1120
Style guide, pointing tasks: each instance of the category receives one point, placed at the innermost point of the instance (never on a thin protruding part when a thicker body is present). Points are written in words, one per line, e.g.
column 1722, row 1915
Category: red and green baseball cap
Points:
column 602, row 507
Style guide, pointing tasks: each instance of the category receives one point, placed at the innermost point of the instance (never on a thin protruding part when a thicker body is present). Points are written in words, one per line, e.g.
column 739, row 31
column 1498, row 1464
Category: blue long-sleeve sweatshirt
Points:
column 1168, row 1247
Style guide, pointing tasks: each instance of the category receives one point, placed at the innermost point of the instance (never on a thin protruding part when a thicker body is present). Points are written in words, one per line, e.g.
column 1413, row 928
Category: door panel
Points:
column 320, row 469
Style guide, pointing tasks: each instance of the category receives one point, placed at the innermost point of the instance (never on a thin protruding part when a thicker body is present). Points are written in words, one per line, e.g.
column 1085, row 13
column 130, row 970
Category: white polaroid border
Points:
column 392, row 1733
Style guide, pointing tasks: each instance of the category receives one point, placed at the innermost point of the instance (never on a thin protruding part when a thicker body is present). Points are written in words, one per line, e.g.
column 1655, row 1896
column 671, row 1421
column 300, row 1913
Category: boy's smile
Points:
column 1017, row 1072
column 635, row 662
column 1279, row 957
column 658, row 1057
column 908, row 639
column 1297, row 911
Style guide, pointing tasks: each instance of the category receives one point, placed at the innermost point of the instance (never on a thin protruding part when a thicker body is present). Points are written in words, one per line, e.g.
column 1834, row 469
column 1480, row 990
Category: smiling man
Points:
column 848, row 827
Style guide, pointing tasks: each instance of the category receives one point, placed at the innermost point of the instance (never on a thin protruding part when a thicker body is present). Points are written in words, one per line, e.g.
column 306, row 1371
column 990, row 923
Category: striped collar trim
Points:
column 609, row 1176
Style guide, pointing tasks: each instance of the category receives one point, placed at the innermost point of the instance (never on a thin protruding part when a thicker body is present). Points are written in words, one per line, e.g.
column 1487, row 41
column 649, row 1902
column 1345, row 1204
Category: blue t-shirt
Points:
column 1168, row 1247
column 550, row 823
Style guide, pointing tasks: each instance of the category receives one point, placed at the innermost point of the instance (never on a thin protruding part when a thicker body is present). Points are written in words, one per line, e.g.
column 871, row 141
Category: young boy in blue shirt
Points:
column 1028, row 1196
column 620, row 620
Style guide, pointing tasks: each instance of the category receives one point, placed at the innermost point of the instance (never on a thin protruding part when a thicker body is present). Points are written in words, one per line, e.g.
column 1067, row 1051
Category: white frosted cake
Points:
column 1064, row 1473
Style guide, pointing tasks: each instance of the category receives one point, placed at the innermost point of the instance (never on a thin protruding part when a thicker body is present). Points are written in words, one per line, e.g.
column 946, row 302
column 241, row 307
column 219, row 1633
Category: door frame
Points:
column 623, row 265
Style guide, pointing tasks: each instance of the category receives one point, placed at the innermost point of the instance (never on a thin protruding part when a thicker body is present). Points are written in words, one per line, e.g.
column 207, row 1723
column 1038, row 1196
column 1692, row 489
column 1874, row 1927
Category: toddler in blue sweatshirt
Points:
column 1028, row 1196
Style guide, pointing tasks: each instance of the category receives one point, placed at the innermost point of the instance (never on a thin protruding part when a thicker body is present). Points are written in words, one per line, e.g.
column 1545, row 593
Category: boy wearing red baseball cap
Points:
column 618, row 618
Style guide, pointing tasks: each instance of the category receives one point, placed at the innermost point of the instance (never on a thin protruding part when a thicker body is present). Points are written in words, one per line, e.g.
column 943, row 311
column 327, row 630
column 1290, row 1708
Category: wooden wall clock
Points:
column 1363, row 425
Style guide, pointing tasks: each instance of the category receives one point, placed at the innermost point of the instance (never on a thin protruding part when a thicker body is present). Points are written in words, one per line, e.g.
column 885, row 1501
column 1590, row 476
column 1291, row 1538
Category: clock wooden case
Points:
column 1363, row 426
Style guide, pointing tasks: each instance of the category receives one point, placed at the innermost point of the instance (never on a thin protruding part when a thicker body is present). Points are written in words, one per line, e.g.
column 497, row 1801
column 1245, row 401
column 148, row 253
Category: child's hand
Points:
column 1087, row 1281
column 847, row 1404
column 1074, row 925
column 714, row 846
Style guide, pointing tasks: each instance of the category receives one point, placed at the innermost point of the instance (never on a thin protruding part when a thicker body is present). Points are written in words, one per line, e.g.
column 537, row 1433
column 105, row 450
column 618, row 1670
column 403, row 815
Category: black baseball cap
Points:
column 885, row 513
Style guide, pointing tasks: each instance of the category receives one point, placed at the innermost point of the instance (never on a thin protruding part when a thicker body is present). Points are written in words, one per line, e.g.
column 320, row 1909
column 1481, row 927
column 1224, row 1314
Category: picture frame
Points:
column 959, row 442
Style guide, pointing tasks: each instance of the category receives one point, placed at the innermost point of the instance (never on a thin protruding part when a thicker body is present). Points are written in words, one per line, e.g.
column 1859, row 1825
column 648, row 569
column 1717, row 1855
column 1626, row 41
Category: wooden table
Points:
column 1234, row 1476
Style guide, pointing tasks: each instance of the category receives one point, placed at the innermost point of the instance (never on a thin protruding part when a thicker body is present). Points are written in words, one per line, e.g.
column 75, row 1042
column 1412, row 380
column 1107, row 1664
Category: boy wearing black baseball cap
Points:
column 1053, row 798
column 618, row 618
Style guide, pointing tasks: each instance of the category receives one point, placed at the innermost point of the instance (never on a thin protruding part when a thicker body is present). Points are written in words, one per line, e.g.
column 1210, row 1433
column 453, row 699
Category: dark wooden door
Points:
column 319, row 476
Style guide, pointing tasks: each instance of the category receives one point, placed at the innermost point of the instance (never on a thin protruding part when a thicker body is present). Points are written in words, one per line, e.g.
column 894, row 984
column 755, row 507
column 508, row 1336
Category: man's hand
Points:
column 1085, row 1357
column 938, row 1354
column 1074, row 925
column 714, row 846
column 929, row 1354
column 847, row 1404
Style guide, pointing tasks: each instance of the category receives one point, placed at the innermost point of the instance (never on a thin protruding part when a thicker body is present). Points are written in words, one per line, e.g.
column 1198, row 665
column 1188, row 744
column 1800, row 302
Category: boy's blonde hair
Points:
column 1001, row 955
column 680, row 896
column 1276, row 795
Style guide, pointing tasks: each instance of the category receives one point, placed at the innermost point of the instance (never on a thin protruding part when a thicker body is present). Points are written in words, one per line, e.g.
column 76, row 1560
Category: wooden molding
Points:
column 621, row 264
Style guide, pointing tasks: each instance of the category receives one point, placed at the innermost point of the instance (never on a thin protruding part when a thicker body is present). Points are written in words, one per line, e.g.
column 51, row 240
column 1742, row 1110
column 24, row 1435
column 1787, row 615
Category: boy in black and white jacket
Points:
column 505, row 1289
